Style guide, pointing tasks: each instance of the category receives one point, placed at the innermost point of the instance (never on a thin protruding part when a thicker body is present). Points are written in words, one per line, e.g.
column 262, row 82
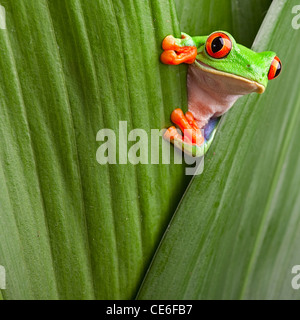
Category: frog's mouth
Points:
column 247, row 84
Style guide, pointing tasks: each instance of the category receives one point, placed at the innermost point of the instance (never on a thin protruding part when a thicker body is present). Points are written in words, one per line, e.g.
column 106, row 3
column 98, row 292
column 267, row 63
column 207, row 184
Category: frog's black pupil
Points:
column 217, row 44
column 278, row 70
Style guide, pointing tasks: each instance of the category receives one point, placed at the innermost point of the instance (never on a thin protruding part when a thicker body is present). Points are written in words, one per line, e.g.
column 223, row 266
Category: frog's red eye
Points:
column 275, row 68
column 218, row 45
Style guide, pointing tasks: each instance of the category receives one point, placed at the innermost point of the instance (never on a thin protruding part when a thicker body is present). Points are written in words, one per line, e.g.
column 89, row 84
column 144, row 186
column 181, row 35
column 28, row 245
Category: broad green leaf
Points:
column 236, row 232
column 71, row 228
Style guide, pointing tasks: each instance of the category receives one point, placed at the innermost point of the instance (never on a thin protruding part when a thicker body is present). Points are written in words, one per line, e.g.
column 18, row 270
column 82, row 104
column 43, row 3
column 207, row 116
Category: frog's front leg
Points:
column 192, row 140
column 177, row 51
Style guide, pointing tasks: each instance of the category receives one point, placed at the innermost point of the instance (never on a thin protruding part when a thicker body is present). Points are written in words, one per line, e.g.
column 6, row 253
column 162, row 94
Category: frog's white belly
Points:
column 211, row 93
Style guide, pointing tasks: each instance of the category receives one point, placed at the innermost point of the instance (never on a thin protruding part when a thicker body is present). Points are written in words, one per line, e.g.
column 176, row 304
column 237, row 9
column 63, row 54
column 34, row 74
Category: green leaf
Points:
column 235, row 234
column 70, row 227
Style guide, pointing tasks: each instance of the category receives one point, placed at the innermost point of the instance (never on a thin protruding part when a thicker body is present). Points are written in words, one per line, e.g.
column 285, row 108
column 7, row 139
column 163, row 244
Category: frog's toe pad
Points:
column 169, row 43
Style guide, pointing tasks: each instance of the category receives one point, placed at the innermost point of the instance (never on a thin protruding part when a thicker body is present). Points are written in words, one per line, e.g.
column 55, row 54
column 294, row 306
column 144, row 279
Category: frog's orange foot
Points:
column 175, row 54
column 187, row 124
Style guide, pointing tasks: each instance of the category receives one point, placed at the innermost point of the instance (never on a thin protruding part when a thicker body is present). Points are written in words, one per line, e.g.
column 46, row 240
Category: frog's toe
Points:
column 169, row 43
column 169, row 57
column 172, row 134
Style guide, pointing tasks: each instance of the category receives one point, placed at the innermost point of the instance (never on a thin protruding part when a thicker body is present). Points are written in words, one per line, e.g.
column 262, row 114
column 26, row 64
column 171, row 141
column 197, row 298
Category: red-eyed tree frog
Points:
column 220, row 72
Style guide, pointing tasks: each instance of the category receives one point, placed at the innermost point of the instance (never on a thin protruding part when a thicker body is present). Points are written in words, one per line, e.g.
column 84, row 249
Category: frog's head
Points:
column 220, row 55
